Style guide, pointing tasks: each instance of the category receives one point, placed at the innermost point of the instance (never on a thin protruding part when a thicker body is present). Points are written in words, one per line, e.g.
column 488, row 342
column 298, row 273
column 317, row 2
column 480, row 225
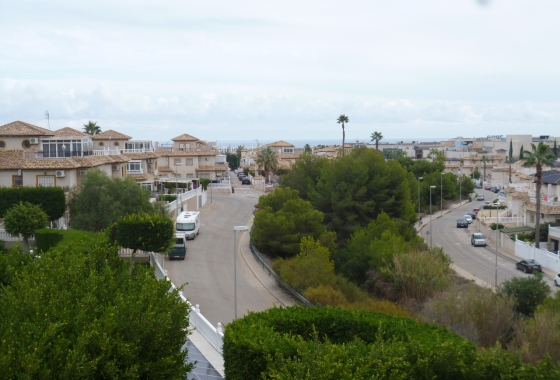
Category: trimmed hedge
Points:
column 51, row 199
column 331, row 343
column 76, row 240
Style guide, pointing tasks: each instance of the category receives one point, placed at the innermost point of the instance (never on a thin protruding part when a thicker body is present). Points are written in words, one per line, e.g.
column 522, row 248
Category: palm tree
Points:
column 539, row 156
column 484, row 160
column 341, row 120
column 376, row 136
column 92, row 128
column 307, row 148
column 268, row 160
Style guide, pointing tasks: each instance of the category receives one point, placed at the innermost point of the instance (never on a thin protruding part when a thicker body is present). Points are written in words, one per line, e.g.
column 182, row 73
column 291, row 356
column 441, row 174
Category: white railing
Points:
column 139, row 171
column 554, row 232
column 214, row 335
column 7, row 237
column 183, row 197
column 223, row 185
column 106, row 152
column 517, row 220
column 140, row 150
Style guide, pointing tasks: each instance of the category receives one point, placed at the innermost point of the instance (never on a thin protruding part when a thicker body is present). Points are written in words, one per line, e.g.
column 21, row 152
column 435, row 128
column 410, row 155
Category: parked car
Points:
column 462, row 223
column 487, row 187
column 472, row 214
column 487, row 203
column 557, row 280
column 468, row 218
column 529, row 266
column 478, row 239
column 246, row 181
column 480, row 197
column 476, row 209
column 496, row 190
column 478, row 186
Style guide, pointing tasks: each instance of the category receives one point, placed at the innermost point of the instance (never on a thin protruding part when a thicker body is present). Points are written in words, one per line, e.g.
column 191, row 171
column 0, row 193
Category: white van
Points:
column 188, row 222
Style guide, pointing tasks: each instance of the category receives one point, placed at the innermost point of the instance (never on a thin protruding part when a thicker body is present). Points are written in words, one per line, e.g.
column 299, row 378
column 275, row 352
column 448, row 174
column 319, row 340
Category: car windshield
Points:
column 179, row 241
column 185, row 226
column 532, row 262
column 478, row 236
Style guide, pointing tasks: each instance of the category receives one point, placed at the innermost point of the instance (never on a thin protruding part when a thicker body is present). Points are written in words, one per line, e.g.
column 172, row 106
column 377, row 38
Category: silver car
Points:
column 478, row 239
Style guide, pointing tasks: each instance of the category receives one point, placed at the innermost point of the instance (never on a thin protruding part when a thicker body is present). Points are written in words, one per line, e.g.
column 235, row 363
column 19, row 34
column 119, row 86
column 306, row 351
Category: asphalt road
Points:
column 208, row 266
column 478, row 261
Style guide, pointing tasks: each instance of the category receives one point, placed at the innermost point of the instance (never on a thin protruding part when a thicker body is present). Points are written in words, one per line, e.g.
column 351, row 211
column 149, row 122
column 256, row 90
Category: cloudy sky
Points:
column 238, row 70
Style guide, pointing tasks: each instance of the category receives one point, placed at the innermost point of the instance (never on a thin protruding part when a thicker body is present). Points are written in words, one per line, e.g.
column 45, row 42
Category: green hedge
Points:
column 51, row 199
column 45, row 238
column 76, row 240
column 168, row 198
column 331, row 343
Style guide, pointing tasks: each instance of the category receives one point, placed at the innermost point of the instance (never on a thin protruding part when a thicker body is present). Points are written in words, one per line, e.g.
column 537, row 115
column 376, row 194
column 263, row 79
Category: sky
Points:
column 270, row 70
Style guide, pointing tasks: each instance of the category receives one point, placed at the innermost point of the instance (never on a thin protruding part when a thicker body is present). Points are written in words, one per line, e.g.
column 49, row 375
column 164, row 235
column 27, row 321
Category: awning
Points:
column 517, row 229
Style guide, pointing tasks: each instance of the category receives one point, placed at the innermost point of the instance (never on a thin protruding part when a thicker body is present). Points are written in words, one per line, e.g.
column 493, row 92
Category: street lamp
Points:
column 441, row 193
column 419, row 179
column 177, row 193
column 235, row 229
column 497, row 229
column 431, row 187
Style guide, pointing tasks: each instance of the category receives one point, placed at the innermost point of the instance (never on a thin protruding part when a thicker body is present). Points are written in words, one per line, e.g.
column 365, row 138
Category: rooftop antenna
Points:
column 48, row 120
column 257, row 140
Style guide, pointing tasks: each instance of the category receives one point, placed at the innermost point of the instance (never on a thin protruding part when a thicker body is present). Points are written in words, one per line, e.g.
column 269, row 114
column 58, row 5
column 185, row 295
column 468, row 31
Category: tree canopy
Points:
column 92, row 128
column 98, row 201
column 23, row 219
column 82, row 316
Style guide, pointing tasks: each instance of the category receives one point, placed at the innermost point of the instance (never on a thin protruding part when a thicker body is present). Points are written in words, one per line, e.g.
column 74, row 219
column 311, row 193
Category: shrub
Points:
column 493, row 226
column 76, row 240
column 51, row 199
column 476, row 313
column 527, row 292
column 278, row 342
column 168, row 197
column 46, row 238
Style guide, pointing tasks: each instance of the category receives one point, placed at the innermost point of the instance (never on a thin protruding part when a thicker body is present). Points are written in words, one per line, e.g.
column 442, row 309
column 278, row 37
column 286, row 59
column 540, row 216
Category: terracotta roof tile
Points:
column 212, row 167
column 111, row 135
column 69, row 132
column 19, row 128
column 189, row 154
column 280, row 143
column 164, row 169
column 14, row 159
column 187, row 137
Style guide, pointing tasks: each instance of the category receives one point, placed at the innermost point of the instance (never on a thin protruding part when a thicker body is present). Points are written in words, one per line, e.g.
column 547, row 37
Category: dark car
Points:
column 246, row 181
column 462, row 223
column 529, row 266
column 472, row 214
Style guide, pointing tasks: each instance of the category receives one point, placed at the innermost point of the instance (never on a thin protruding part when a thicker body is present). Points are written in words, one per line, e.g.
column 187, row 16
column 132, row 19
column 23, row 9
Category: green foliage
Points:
column 168, row 197
column 92, row 128
column 51, row 199
column 476, row 313
column 204, row 183
column 475, row 175
column 76, row 240
column 98, row 201
column 283, row 220
column 267, row 159
column 527, row 292
column 374, row 246
column 246, row 171
column 146, row 232
column 69, row 315
column 297, row 343
column 12, row 262
column 45, row 238
column 419, row 274
column 232, row 160
column 492, row 226
column 23, row 219
column 304, row 174
column 353, row 190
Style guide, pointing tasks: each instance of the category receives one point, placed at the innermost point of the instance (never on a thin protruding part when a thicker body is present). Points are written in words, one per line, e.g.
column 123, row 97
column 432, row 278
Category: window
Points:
column 205, row 175
column 101, row 143
column 288, row 150
column 45, row 180
column 178, row 161
column 17, row 180
column 134, row 166
column 189, row 175
column 116, row 143
column 532, row 218
column 189, row 161
column 2, row 144
column 25, row 144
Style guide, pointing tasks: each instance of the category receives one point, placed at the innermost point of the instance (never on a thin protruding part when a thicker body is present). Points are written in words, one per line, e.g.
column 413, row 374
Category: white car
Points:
column 557, row 280
column 468, row 217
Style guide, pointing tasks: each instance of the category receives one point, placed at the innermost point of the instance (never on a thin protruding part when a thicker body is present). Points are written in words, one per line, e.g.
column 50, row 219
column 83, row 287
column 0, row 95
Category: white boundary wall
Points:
column 545, row 258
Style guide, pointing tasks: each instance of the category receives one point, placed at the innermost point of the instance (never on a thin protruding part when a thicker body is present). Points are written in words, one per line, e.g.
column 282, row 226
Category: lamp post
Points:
column 419, row 179
column 431, row 187
column 497, row 229
column 177, row 193
column 235, row 229
column 441, row 193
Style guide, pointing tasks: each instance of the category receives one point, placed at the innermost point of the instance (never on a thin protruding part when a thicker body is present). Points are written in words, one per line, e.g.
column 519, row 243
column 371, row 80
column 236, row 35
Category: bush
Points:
column 45, row 238
column 51, row 199
column 281, row 343
column 493, row 226
column 476, row 313
column 527, row 292
column 168, row 197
